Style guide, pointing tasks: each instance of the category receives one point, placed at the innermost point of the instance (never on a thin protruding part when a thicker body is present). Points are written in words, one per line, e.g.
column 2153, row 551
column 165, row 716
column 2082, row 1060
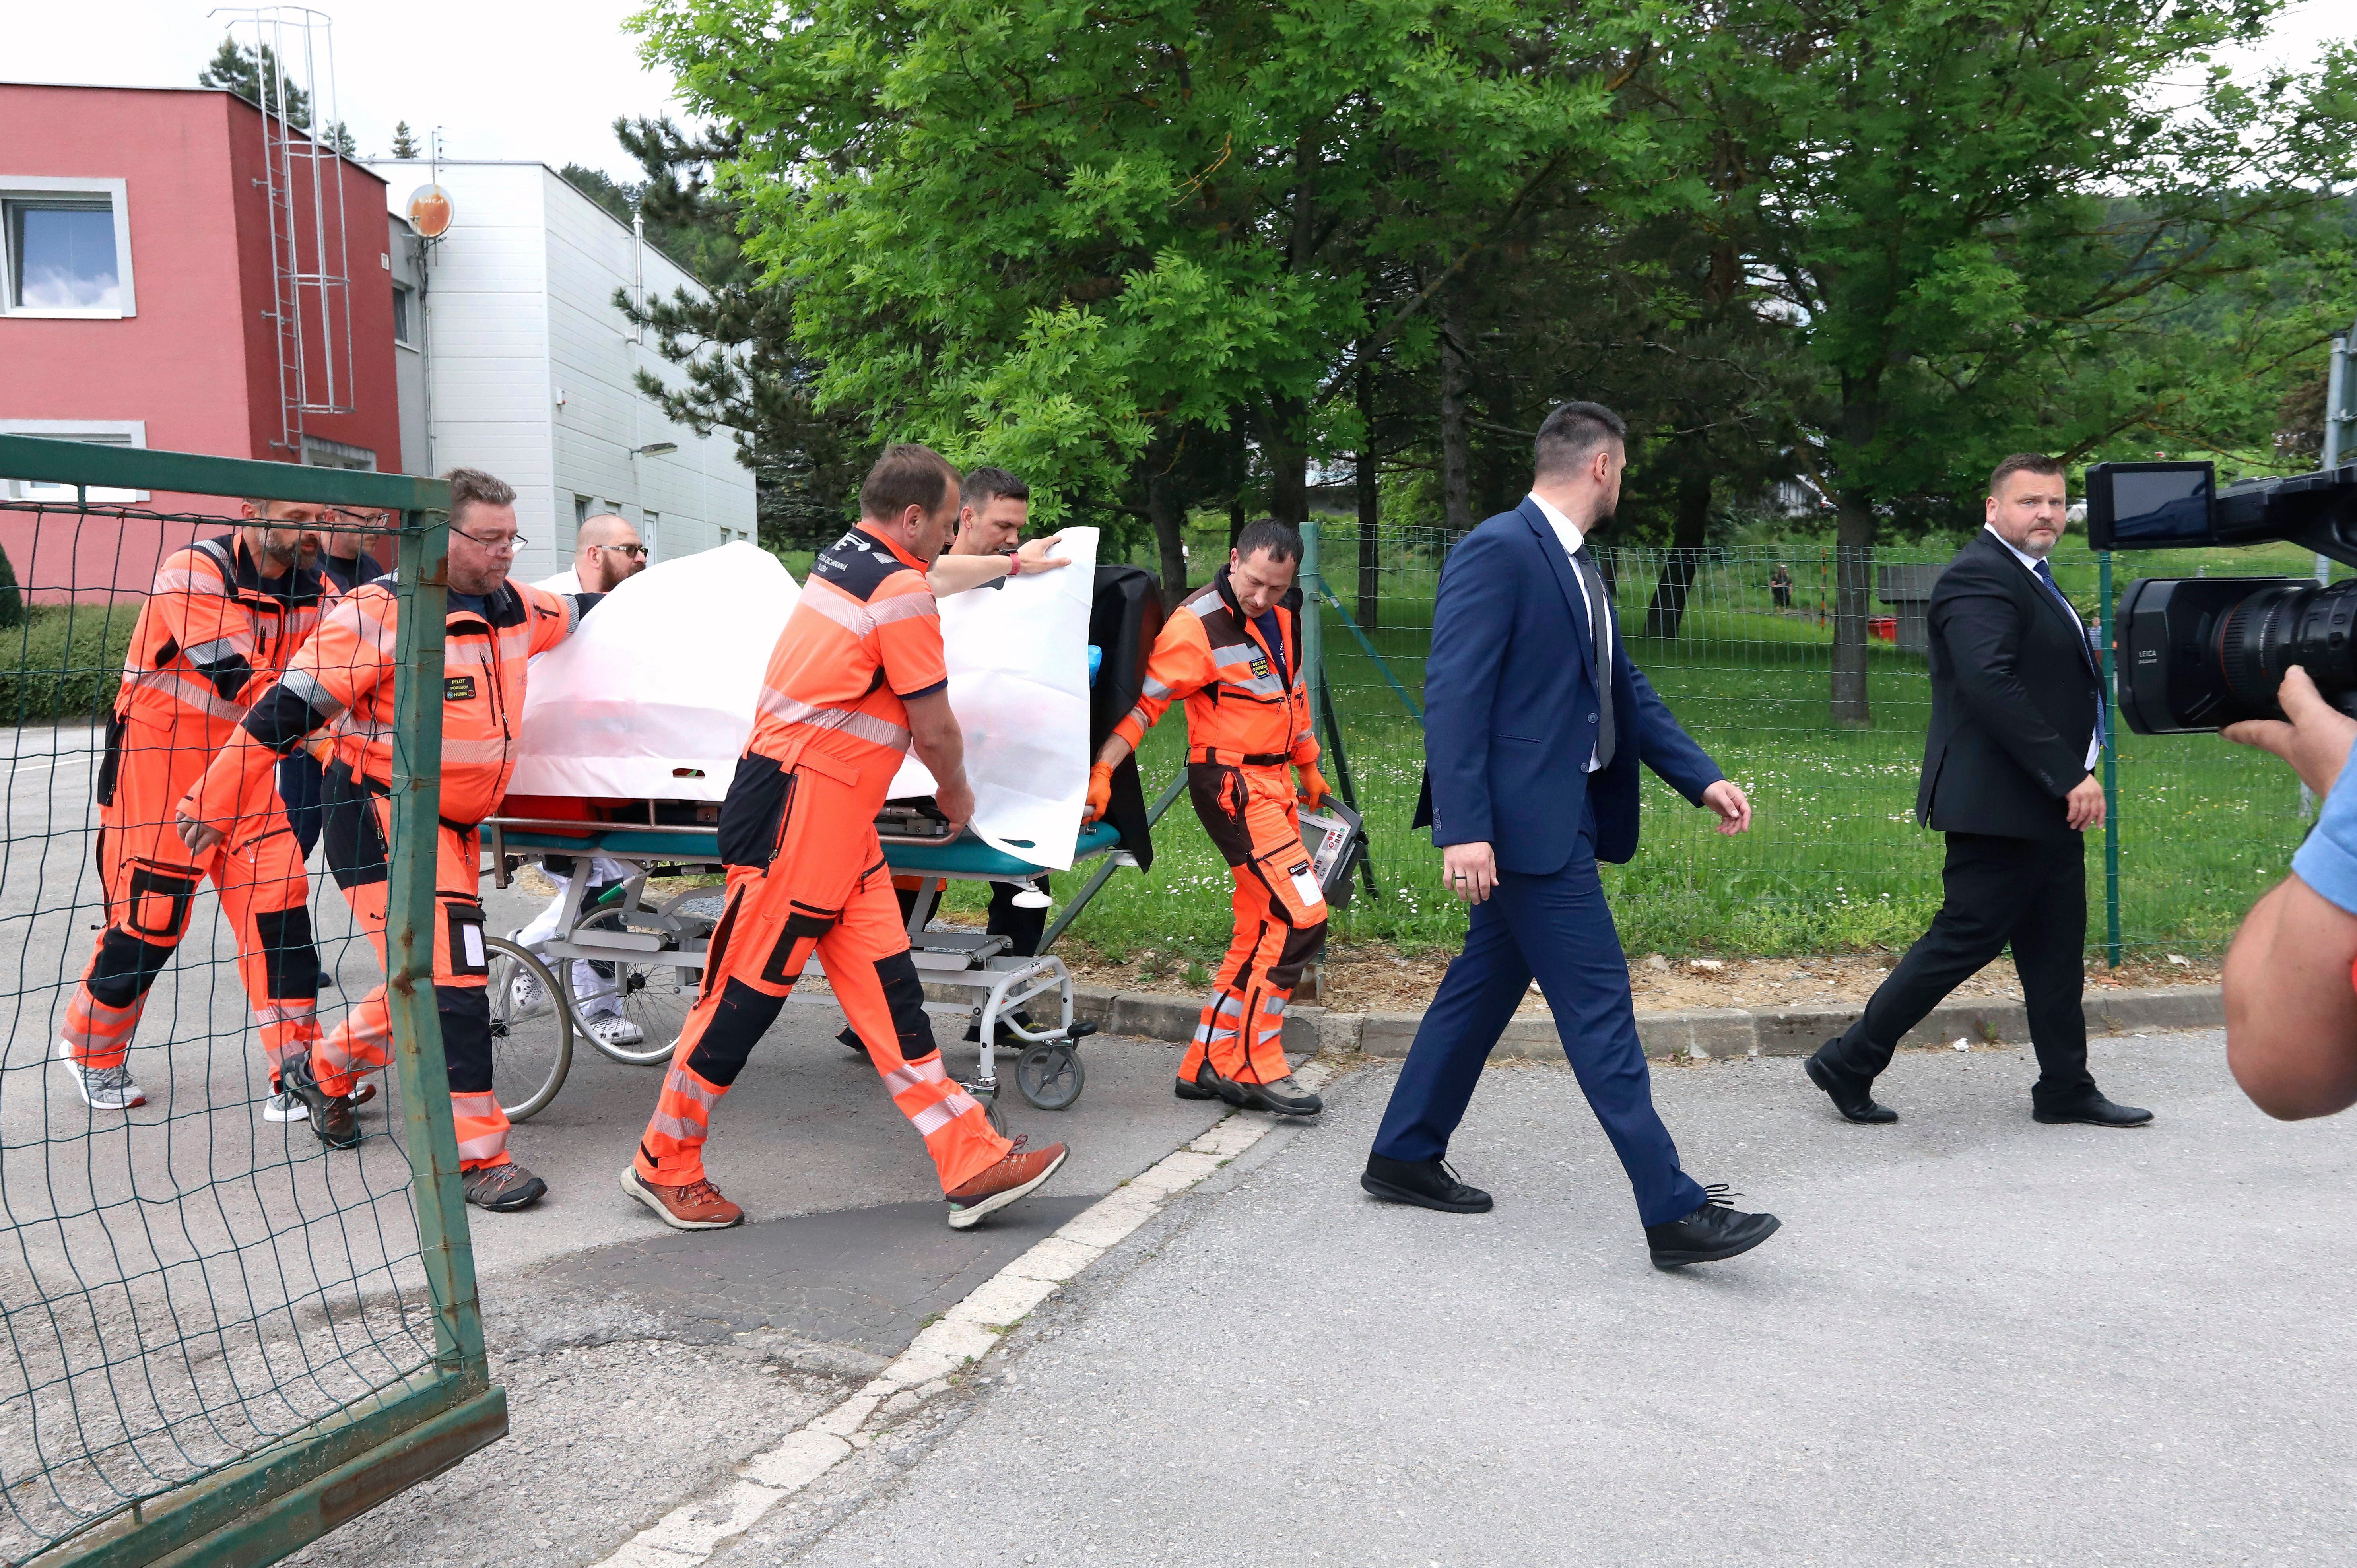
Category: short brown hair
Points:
column 907, row 475
column 1568, row 435
column 2024, row 463
column 980, row 486
column 472, row 487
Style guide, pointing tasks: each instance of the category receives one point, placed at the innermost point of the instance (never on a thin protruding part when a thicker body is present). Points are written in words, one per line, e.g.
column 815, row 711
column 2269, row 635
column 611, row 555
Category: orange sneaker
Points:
column 1021, row 1173
column 693, row 1206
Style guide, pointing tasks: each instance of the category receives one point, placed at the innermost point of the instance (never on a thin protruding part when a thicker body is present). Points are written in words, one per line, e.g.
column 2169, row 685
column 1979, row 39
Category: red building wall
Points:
column 199, row 359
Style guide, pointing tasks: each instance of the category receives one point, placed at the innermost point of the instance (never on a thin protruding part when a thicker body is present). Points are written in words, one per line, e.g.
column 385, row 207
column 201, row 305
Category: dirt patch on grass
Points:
column 1374, row 979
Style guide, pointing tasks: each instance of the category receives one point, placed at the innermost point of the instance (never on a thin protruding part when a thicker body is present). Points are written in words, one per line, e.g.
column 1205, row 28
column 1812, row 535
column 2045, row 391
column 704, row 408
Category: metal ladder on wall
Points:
column 303, row 190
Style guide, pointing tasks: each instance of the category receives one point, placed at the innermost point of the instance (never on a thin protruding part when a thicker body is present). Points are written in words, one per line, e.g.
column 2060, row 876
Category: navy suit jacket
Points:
column 1511, row 712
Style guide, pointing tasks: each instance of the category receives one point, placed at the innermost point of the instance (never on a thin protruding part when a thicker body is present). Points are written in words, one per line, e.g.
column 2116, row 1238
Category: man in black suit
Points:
column 2016, row 723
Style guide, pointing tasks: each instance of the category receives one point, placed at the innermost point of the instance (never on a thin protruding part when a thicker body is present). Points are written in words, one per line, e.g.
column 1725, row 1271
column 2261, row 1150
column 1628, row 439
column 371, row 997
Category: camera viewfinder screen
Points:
column 2161, row 506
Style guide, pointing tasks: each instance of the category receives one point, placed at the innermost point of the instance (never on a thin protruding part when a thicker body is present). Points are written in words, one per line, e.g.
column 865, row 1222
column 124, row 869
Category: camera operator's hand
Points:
column 2316, row 740
column 2084, row 804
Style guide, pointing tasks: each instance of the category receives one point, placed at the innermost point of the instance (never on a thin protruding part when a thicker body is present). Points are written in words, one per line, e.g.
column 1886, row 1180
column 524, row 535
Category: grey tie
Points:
column 1593, row 586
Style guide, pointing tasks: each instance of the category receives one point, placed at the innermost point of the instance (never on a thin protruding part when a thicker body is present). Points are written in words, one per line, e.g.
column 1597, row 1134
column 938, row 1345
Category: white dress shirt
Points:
column 2029, row 565
column 1567, row 533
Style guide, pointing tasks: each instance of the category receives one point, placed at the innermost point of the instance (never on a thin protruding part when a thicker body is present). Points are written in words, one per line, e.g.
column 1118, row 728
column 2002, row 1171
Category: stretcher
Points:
column 640, row 956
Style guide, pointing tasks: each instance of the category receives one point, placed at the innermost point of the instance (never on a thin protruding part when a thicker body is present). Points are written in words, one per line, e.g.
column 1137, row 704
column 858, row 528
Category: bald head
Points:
column 607, row 551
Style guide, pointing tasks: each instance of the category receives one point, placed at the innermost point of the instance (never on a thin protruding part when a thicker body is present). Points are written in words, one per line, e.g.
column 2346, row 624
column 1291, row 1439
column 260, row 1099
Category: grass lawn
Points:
column 1834, row 860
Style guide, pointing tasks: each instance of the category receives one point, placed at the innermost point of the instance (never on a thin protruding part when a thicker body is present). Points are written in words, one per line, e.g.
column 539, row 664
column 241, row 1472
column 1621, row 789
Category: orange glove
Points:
column 1100, row 793
column 1313, row 793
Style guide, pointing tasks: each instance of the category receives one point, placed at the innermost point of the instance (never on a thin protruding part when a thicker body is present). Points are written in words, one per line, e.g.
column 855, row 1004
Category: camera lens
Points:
column 2273, row 629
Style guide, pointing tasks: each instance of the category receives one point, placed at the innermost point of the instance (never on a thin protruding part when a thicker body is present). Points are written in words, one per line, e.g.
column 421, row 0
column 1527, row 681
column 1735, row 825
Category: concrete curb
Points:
column 1696, row 1032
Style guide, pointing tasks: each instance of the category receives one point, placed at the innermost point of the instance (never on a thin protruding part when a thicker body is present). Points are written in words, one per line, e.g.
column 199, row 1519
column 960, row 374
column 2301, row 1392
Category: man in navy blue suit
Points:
column 1530, row 780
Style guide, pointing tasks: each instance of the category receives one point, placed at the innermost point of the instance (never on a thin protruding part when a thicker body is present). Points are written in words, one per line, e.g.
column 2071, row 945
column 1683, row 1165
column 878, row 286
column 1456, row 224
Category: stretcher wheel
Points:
column 532, row 1032
column 1050, row 1076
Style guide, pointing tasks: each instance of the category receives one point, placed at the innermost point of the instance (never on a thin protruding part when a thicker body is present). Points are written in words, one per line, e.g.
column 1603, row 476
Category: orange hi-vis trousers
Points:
column 1249, row 811
column 150, row 878
column 826, row 891
column 356, row 831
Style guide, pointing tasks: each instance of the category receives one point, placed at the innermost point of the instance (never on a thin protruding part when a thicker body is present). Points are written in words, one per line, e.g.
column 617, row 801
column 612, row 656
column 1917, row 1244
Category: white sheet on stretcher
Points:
column 653, row 697
column 1018, row 659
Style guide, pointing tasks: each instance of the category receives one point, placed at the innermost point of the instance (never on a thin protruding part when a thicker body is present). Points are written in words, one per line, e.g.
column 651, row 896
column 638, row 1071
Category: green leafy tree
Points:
column 11, row 600
column 1974, row 210
column 405, row 142
column 1134, row 255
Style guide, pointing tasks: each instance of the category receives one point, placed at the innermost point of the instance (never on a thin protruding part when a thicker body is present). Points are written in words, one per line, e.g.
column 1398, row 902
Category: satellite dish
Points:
column 429, row 211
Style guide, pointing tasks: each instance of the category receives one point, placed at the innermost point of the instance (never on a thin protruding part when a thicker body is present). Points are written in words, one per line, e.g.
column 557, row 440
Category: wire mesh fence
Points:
column 1741, row 644
column 205, row 1309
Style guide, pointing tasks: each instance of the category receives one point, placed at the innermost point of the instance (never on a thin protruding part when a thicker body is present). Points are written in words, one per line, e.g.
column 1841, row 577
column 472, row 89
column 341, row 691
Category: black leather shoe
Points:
column 2097, row 1111
column 1428, row 1184
column 1285, row 1096
column 1717, row 1229
column 1852, row 1095
column 1187, row 1088
column 330, row 1115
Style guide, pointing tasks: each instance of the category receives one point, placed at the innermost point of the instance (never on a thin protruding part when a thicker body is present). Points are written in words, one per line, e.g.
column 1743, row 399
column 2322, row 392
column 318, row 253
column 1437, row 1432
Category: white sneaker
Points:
column 526, row 994
column 101, row 1088
column 615, row 1029
column 283, row 1107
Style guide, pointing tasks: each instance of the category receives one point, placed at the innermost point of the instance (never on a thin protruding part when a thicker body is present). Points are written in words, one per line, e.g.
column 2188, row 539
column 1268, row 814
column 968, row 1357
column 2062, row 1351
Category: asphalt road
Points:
column 184, row 1279
column 1976, row 1340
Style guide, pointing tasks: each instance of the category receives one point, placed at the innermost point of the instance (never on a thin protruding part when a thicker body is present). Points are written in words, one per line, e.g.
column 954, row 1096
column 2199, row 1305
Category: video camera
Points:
column 2198, row 653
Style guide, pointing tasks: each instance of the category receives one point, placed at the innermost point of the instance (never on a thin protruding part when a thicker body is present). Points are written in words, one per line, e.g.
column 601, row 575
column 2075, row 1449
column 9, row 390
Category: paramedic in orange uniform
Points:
column 223, row 618
column 343, row 682
column 1232, row 654
column 857, row 676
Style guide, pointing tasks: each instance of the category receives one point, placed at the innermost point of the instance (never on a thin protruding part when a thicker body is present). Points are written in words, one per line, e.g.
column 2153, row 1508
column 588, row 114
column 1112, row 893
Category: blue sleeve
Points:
column 1662, row 742
column 2328, row 861
column 1471, row 624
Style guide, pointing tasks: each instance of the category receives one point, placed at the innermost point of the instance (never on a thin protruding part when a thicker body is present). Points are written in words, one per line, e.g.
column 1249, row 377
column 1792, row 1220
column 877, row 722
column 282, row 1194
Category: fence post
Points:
column 1312, row 586
column 410, row 917
column 2111, row 766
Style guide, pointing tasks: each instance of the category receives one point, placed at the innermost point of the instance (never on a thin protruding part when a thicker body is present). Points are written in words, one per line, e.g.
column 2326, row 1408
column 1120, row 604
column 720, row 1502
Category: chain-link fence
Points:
column 1741, row 644
column 221, row 1338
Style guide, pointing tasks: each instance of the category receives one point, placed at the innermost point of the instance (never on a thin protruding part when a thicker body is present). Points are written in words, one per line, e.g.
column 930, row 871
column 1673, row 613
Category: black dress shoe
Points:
column 2096, row 1112
column 1851, row 1095
column 1717, row 1229
column 1187, row 1088
column 1429, row 1184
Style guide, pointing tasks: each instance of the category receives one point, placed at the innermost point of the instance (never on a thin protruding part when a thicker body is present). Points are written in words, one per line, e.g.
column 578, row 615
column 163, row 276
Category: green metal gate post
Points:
column 303, row 1483
column 1312, row 588
column 410, row 918
column 2111, row 766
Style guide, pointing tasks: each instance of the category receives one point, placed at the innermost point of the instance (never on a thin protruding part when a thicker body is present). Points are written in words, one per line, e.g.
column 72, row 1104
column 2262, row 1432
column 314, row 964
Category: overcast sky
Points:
column 502, row 78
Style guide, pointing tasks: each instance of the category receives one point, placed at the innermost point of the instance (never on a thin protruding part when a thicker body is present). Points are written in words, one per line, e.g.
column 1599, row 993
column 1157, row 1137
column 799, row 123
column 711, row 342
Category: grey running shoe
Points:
column 503, row 1188
column 615, row 1029
column 283, row 1107
column 330, row 1115
column 101, row 1088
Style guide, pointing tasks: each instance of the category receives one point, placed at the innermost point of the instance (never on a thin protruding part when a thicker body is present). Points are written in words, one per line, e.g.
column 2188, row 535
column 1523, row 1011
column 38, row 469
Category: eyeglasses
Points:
column 632, row 550
column 496, row 543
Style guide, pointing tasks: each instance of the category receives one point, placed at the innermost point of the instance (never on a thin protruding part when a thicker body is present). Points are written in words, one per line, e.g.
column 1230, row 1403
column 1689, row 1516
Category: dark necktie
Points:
column 2046, row 576
column 1592, row 586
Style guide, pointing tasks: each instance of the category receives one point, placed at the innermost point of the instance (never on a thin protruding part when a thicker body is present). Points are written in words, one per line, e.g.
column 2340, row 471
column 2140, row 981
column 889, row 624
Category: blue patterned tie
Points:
column 2046, row 576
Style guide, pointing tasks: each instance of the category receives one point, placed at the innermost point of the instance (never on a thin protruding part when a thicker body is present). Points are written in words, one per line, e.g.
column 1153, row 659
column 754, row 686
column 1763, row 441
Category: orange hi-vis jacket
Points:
column 1240, row 710
column 342, row 678
column 212, row 636
column 865, row 636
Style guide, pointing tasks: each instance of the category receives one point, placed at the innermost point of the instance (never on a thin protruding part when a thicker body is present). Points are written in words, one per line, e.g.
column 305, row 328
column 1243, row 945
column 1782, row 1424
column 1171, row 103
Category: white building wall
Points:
column 519, row 303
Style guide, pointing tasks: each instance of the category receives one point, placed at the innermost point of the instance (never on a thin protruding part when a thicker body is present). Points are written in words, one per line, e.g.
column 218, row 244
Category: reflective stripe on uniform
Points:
column 866, row 726
column 909, row 1075
column 305, row 688
column 190, row 692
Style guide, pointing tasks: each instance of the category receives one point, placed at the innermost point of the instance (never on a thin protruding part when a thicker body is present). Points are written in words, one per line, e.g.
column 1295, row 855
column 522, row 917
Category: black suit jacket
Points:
column 2013, row 682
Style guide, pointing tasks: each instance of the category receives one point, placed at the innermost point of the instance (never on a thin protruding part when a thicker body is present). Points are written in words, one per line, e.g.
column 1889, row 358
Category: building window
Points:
column 65, row 248
column 404, row 328
column 318, row 452
column 131, row 433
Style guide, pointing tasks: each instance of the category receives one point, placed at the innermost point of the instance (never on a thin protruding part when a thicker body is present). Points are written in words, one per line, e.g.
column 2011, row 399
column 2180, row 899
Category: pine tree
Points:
column 254, row 76
column 12, row 602
column 404, row 143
